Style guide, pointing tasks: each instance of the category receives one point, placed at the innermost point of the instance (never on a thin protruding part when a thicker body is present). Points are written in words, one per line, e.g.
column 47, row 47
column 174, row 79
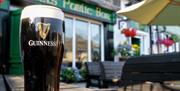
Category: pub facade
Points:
column 87, row 36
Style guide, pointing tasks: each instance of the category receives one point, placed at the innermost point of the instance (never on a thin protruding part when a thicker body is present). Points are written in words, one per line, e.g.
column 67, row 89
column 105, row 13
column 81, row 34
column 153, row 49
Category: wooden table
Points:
column 16, row 83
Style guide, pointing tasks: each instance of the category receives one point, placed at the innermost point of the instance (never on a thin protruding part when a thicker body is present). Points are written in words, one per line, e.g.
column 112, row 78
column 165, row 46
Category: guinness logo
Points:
column 43, row 29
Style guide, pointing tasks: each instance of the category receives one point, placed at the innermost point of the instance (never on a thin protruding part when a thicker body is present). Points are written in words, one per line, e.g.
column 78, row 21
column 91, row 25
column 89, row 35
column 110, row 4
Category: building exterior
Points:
column 149, row 44
column 162, row 32
column 88, row 27
column 142, row 37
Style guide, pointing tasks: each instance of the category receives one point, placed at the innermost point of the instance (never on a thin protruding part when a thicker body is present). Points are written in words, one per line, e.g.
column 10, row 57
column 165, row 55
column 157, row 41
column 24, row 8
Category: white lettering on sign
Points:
column 77, row 7
column 102, row 14
column 52, row 2
column 85, row 9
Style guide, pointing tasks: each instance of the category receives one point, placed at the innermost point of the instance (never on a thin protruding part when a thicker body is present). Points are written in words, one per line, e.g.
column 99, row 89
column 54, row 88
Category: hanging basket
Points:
column 129, row 32
column 168, row 42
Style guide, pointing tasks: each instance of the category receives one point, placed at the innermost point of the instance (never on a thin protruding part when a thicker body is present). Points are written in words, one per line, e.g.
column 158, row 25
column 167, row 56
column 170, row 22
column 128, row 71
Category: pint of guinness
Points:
column 41, row 47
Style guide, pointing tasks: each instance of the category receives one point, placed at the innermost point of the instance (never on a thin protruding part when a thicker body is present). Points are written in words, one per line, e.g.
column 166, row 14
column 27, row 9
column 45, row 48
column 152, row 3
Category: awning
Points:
column 154, row 12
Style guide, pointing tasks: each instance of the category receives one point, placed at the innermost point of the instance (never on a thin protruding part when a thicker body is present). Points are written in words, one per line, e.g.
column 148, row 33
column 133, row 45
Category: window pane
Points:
column 68, row 55
column 95, row 42
column 81, row 41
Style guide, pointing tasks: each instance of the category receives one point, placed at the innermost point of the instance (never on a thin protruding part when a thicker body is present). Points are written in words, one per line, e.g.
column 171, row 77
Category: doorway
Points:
column 136, row 44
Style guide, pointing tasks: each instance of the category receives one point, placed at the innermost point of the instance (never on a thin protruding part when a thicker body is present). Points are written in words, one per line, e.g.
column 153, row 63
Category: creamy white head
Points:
column 42, row 11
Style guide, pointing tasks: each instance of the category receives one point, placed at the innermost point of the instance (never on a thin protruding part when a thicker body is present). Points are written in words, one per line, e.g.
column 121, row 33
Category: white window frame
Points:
column 90, row 21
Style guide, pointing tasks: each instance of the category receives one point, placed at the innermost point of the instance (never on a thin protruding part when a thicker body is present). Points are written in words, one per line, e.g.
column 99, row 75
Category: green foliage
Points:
column 113, row 53
column 83, row 73
column 176, row 38
column 68, row 75
column 124, row 49
column 143, row 27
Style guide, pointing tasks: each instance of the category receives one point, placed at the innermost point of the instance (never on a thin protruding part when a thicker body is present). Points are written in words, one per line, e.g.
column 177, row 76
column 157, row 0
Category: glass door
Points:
column 68, row 54
column 83, row 41
column 81, row 29
column 95, row 42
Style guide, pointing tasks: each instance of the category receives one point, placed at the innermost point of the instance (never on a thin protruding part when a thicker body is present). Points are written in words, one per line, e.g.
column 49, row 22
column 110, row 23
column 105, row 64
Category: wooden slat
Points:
column 158, row 67
column 93, row 68
column 152, row 67
column 156, row 58
column 112, row 69
column 150, row 77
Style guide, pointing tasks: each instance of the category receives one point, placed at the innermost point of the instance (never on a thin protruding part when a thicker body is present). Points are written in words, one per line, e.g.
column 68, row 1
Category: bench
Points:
column 93, row 74
column 103, row 74
column 154, row 68
column 136, row 70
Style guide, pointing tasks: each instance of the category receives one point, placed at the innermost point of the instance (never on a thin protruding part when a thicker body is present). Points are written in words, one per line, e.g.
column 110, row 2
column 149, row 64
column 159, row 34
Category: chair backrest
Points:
column 93, row 68
column 164, row 63
column 112, row 70
column 157, row 67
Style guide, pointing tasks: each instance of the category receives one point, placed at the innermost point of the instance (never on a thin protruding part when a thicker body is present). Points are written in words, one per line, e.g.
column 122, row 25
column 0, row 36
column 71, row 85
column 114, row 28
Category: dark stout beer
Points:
column 42, row 47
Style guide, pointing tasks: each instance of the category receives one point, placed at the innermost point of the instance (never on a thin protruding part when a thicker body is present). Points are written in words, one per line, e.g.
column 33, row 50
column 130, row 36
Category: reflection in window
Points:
column 95, row 42
column 68, row 55
column 81, row 41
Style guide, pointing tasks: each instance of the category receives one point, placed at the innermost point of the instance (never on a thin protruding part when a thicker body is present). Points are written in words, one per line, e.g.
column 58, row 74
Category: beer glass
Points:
column 41, row 47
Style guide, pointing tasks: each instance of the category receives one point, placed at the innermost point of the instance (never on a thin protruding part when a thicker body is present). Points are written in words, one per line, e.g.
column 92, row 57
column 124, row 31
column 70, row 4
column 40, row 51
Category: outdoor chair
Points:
column 103, row 74
column 93, row 74
column 111, row 73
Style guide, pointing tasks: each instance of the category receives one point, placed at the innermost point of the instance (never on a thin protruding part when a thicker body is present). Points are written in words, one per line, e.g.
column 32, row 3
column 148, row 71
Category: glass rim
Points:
column 42, row 11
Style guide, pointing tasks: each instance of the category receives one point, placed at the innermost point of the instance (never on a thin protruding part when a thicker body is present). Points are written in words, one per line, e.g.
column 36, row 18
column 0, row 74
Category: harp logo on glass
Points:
column 43, row 30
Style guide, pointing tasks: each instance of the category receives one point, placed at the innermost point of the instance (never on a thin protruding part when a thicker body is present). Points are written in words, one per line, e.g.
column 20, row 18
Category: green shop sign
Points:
column 79, row 7
column 4, row 5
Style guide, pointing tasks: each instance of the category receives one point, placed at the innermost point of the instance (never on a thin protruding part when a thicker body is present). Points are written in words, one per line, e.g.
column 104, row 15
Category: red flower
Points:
column 1, row 1
column 168, row 42
column 133, row 32
column 129, row 32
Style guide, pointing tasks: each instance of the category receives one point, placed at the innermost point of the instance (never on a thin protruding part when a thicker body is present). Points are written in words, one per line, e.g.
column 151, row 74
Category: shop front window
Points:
column 68, row 54
column 82, row 41
column 81, row 28
column 95, row 42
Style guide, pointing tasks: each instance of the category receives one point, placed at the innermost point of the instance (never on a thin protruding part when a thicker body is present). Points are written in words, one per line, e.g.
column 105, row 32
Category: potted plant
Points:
column 124, row 51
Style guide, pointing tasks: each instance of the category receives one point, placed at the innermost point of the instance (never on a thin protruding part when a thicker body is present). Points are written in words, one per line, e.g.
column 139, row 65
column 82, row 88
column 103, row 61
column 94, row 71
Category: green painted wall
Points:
column 15, row 58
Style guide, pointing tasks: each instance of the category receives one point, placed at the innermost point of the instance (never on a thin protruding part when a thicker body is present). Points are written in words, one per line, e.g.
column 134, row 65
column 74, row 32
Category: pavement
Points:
column 2, row 85
column 16, row 83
